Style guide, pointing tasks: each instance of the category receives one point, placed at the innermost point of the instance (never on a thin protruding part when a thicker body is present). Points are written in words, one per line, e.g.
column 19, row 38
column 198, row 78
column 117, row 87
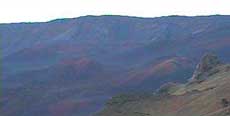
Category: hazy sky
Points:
column 44, row 10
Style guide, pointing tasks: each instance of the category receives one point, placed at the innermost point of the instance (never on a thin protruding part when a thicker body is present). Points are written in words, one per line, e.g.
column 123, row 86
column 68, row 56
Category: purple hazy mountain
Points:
column 70, row 67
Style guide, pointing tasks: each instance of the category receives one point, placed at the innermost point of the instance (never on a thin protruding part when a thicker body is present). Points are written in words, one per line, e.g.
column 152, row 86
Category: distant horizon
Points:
column 63, row 18
column 16, row 11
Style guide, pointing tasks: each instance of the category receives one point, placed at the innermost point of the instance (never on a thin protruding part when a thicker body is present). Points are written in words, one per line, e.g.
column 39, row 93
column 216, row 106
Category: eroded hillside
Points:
column 73, row 66
column 207, row 96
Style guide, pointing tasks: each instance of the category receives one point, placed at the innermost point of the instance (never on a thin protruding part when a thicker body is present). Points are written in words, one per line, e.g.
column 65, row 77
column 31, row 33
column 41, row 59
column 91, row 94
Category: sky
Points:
column 45, row 10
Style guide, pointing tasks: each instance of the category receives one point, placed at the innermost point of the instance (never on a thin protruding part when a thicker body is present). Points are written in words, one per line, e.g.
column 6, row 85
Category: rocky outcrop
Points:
column 188, row 99
column 224, row 102
column 205, row 67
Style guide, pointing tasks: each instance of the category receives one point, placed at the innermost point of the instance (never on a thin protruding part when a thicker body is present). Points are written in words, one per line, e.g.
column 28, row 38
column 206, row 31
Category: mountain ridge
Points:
column 61, row 19
column 116, row 50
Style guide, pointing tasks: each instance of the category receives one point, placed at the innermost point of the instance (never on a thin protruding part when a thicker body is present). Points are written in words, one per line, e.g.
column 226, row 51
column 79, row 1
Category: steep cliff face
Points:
column 209, row 97
column 205, row 67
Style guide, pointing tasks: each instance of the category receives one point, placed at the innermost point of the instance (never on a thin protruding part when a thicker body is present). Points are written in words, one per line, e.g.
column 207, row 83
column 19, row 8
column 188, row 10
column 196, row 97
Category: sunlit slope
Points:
column 191, row 99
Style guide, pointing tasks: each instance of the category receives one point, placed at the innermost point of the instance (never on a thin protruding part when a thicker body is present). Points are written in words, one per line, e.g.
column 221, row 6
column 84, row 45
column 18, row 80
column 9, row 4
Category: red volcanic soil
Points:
column 80, row 64
column 66, row 48
column 160, row 69
column 77, row 62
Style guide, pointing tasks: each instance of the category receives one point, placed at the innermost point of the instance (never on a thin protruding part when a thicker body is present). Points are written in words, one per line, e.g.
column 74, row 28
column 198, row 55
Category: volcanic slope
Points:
column 207, row 97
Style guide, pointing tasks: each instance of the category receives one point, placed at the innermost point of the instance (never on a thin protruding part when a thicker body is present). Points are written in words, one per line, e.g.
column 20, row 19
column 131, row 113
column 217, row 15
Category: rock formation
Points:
column 205, row 67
